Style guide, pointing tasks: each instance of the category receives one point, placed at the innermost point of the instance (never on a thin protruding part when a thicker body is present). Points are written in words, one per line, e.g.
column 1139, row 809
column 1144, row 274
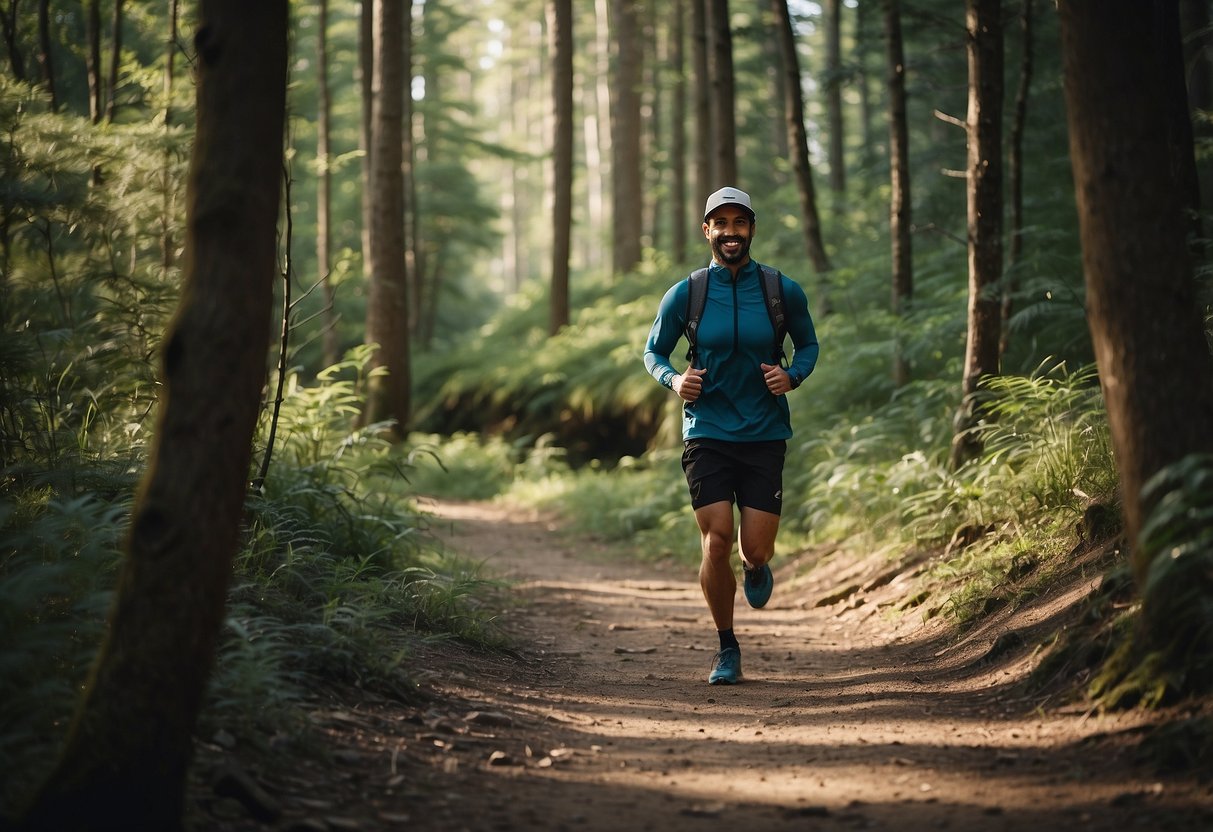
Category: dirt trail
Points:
column 849, row 718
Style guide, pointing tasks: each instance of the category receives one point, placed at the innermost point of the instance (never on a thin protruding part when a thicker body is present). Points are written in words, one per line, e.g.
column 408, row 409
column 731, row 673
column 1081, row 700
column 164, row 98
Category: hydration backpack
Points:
column 772, row 295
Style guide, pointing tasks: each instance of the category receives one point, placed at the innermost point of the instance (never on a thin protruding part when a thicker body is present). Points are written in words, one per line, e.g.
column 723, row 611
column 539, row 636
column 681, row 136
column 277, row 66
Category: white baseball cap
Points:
column 728, row 195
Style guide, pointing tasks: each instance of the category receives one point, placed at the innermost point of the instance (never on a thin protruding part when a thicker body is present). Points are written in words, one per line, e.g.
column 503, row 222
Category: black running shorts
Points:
column 748, row 473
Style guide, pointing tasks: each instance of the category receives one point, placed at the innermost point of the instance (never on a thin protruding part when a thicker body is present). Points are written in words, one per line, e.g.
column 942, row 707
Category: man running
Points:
column 736, row 422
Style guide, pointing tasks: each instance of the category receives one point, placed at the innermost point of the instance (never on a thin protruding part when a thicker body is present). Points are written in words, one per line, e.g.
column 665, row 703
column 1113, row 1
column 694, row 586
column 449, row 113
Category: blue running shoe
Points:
column 726, row 667
column 758, row 585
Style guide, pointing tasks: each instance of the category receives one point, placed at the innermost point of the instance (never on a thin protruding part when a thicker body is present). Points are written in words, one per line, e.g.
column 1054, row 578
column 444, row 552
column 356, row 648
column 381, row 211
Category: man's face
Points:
column 729, row 230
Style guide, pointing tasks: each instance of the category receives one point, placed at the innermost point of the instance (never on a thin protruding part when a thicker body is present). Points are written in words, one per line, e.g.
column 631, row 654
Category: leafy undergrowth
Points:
column 338, row 585
column 1059, row 626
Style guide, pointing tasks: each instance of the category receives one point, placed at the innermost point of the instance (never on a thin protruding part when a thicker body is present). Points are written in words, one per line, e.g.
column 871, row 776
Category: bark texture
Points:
column 625, row 135
column 1154, row 363
column 797, row 138
column 900, row 207
column 723, row 94
column 560, row 33
column 127, row 752
column 388, row 393
column 984, row 25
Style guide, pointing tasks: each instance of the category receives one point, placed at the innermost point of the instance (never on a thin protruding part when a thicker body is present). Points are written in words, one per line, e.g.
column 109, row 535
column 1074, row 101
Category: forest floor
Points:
column 850, row 716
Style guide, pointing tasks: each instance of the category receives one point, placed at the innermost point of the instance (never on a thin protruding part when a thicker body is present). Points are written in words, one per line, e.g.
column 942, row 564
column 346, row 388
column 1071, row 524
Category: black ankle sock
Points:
column 727, row 639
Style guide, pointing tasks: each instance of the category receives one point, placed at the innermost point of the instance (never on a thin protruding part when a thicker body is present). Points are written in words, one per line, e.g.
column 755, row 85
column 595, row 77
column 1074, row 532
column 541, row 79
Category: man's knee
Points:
column 717, row 545
column 757, row 550
column 757, row 558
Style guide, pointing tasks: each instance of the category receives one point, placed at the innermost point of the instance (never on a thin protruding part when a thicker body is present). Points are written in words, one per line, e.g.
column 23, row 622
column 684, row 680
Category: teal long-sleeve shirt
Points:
column 735, row 337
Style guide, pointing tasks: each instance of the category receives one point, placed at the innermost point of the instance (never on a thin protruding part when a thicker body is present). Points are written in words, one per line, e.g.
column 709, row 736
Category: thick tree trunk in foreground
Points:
column 126, row 756
column 1154, row 363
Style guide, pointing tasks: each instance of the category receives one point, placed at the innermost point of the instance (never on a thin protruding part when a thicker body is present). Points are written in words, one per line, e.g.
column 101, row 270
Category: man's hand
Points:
column 689, row 385
column 777, row 379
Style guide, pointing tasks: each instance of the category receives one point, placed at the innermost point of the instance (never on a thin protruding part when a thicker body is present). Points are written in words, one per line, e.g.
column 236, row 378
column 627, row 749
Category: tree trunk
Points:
column 388, row 391
column 364, row 74
column 9, row 23
column 984, row 25
column 862, row 26
column 517, row 205
column 167, row 209
column 408, row 153
column 678, row 117
column 900, row 205
column 428, row 254
column 625, row 135
column 1015, row 163
column 772, row 55
column 705, row 136
column 560, row 33
column 45, row 56
column 1154, row 363
column 834, row 124
column 793, row 107
column 92, row 59
column 598, row 145
column 417, row 265
column 652, row 154
column 111, row 96
column 324, row 185
column 127, row 752
column 723, row 125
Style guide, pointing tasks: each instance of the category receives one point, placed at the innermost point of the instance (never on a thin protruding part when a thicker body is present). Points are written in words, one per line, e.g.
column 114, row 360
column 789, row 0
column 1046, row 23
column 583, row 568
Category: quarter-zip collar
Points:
column 719, row 272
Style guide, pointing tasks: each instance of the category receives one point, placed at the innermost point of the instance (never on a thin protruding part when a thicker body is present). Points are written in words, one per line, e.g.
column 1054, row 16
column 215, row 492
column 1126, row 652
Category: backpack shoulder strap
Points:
column 772, row 295
column 697, row 298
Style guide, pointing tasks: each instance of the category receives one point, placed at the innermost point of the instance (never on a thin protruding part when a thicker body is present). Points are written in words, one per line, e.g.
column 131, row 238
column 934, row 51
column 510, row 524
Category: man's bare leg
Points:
column 715, row 571
column 756, row 538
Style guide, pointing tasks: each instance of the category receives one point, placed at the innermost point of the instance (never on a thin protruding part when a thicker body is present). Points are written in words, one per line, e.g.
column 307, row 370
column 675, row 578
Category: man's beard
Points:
column 730, row 259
